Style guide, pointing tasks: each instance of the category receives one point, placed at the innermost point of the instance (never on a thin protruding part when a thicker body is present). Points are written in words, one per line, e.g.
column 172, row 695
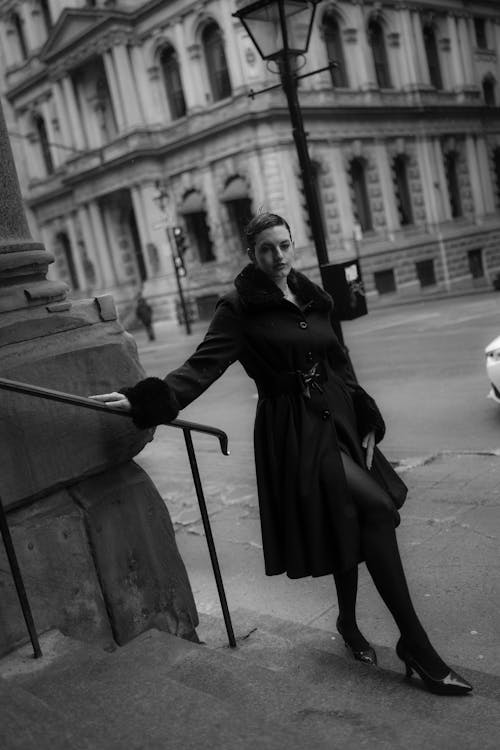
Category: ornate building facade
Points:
column 108, row 101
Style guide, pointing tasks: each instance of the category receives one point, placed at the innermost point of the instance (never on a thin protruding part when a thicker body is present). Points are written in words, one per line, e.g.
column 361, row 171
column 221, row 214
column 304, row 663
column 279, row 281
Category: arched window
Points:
column 451, row 171
column 41, row 130
column 489, row 91
column 402, row 189
column 64, row 244
column 432, row 54
column 335, row 50
column 47, row 17
column 18, row 24
column 379, row 52
column 172, row 80
column 215, row 58
column 361, row 202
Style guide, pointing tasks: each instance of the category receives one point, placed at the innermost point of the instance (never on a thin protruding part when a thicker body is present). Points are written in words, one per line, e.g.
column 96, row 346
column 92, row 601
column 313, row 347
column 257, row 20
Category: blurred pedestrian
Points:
column 144, row 312
column 328, row 498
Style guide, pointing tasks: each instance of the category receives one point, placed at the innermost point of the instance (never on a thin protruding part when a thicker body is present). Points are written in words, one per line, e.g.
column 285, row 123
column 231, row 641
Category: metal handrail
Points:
column 186, row 427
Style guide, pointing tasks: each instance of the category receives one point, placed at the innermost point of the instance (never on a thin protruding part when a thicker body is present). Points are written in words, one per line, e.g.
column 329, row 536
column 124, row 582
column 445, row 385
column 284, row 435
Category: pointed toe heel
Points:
column 451, row 684
column 365, row 655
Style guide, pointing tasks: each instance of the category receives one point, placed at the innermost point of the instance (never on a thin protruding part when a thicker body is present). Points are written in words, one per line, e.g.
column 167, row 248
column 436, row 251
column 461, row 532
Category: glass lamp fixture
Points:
column 279, row 27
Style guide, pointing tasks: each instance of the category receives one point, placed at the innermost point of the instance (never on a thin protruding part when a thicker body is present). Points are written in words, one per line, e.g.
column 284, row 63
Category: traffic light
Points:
column 181, row 246
column 180, row 240
column 179, row 266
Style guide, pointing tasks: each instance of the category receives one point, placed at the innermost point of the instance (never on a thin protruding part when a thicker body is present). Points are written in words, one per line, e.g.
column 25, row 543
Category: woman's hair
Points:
column 260, row 223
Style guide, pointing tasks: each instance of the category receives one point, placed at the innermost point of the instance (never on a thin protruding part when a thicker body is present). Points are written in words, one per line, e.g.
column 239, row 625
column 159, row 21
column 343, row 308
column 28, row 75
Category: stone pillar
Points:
column 18, row 252
column 126, row 85
column 475, row 181
column 5, row 41
column 364, row 60
column 484, row 168
column 114, row 91
column 73, row 113
column 90, row 244
column 441, row 183
column 387, row 187
column 99, row 232
column 421, row 57
column 198, row 79
column 93, row 536
column 152, row 114
column 466, row 50
column 343, row 191
column 457, row 66
column 232, row 54
column 143, row 229
column 52, row 135
column 408, row 45
column 153, row 220
column 76, row 252
column 65, row 131
column 191, row 82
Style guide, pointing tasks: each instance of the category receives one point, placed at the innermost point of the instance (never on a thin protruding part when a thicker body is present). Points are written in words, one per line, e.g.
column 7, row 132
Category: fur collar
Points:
column 258, row 291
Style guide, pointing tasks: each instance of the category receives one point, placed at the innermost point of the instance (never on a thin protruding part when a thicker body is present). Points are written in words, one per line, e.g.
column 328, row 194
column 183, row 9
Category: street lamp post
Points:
column 280, row 30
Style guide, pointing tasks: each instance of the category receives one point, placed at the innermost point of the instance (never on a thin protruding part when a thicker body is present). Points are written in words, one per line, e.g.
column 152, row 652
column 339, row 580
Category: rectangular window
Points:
column 196, row 224
column 425, row 272
column 476, row 267
column 385, row 283
column 480, row 29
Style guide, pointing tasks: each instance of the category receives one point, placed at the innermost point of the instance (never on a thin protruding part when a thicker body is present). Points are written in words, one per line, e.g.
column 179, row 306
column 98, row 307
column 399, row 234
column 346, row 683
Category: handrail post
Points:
column 208, row 533
column 19, row 583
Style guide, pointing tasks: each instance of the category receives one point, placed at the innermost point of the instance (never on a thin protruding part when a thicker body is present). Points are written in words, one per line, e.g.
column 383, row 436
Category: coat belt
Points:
column 294, row 381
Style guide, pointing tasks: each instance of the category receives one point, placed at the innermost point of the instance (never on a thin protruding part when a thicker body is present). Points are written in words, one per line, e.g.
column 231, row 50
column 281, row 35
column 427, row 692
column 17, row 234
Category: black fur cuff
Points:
column 153, row 402
column 368, row 414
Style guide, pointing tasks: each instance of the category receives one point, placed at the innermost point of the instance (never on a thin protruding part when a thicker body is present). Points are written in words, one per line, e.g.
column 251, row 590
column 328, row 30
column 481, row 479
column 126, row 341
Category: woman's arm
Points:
column 153, row 401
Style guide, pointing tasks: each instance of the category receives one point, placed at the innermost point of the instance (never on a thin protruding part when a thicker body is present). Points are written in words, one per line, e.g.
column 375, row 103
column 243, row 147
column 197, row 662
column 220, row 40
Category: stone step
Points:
column 364, row 697
column 28, row 723
column 132, row 699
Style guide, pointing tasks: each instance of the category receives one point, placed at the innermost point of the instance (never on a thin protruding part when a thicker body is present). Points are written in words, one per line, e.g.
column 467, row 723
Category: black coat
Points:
column 309, row 522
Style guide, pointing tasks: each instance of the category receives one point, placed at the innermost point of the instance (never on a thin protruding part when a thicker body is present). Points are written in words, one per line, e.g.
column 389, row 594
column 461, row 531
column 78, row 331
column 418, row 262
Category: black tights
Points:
column 380, row 550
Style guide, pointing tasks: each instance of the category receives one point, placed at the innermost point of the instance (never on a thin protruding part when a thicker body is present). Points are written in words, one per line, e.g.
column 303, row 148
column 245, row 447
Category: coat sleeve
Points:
column 368, row 414
column 155, row 401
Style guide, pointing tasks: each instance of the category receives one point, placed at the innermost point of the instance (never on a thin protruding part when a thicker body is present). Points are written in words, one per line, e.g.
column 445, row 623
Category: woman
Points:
column 328, row 499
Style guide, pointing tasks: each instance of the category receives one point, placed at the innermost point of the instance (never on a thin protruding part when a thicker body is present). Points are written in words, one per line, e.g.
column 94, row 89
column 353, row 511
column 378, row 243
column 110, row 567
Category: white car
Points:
column 492, row 352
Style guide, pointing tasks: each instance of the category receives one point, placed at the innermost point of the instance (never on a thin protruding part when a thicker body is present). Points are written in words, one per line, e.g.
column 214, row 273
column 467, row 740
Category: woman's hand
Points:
column 117, row 400
column 369, row 446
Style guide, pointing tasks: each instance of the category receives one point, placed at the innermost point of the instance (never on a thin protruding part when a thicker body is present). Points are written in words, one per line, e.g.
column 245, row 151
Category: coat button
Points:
column 309, row 356
column 326, row 415
column 303, row 324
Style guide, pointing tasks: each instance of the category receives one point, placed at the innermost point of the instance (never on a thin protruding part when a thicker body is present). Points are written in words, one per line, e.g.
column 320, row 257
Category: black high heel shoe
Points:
column 365, row 655
column 450, row 684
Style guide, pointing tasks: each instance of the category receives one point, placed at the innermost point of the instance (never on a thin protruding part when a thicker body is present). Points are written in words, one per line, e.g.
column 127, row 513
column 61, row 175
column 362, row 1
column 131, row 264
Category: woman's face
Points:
column 274, row 252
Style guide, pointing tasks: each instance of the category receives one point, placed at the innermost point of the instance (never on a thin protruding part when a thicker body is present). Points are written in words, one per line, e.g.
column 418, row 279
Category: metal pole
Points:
column 19, row 583
column 171, row 240
column 210, row 539
column 289, row 83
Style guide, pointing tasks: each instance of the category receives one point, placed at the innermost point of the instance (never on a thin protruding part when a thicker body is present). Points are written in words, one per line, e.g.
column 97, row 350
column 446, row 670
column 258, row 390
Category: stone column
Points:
column 90, row 245
column 387, row 187
column 65, row 131
column 343, row 191
column 466, row 50
column 52, row 135
column 126, row 85
column 421, row 57
column 198, row 78
column 154, row 221
column 441, row 183
column 143, row 229
column 114, row 90
column 475, row 180
column 408, row 44
column 484, row 169
column 457, row 66
column 76, row 252
column 20, row 257
column 152, row 114
column 191, row 82
column 101, row 242
column 364, row 59
column 5, row 41
column 73, row 113
column 232, row 54
column 25, row 11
